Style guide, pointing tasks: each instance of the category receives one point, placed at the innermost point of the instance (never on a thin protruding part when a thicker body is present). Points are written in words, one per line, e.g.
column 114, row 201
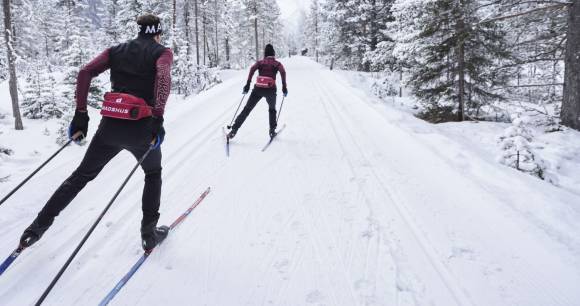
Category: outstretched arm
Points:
column 283, row 74
column 162, row 82
column 252, row 71
column 95, row 67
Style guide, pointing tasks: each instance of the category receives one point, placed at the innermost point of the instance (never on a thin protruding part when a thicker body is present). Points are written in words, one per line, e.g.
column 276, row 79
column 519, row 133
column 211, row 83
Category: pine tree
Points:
column 40, row 101
column 517, row 153
column 3, row 63
column 128, row 11
column 79, row 52
column 49, row 30
column 452, row 56
column 313, row 29
column 11, row 59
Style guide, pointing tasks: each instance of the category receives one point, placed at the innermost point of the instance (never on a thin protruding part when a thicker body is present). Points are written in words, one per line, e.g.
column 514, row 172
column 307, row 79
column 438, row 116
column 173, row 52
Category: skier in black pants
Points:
column 265, row 88
column 132, row 119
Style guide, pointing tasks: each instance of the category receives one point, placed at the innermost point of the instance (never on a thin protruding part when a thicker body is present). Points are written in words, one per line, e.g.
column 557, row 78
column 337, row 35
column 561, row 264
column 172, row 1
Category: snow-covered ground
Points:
column 356, row 203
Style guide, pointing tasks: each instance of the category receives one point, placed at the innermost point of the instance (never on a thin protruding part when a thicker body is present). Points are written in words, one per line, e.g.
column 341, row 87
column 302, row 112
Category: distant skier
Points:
column 132, row 118
column 265, row 88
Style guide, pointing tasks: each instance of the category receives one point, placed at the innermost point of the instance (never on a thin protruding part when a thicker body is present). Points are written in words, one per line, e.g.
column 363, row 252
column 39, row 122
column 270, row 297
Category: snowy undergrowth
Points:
column 558, row 151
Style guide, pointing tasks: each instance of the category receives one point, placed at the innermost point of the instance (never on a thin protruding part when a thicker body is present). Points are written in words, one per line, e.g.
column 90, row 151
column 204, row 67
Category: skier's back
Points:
column 265, row 88
column 140, row 81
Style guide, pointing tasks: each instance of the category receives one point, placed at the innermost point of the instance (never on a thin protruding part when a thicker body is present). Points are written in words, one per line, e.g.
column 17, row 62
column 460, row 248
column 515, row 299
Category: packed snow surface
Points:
column 356, row 203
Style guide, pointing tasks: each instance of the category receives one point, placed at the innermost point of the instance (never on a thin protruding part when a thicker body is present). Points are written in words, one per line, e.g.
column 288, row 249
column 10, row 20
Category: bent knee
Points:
column 153, row 173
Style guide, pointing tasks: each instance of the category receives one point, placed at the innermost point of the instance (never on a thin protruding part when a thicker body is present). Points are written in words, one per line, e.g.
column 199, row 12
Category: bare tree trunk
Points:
column 461, row 69
column 227, row 52
column 204, row 38
column 570, row 114
column 217, row 51
column 13, row 82
column 196, row 34
column 401, row 82
column 173, row 22
column 187, row 32
column 316, row 33
column 256, row 29
column 174, row 14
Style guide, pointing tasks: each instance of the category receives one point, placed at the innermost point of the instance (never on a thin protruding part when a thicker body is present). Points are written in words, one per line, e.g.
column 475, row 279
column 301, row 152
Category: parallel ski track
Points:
column 324, row 263
column 525, row 276
column 446, row 276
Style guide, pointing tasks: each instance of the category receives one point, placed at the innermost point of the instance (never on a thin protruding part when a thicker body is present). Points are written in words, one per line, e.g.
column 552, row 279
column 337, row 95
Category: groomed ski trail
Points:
column 354, row 204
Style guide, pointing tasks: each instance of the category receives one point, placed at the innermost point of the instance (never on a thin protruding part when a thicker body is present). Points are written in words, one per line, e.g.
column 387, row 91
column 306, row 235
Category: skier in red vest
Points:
column 132, row 118
column 265, row 88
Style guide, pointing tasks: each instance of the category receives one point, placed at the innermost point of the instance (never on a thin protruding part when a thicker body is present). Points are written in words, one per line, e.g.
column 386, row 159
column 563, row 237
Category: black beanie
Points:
column 269, row 51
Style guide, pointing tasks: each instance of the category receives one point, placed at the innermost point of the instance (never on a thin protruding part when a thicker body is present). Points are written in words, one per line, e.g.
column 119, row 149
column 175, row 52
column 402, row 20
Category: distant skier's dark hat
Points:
column 269, row 51
column 149, row 25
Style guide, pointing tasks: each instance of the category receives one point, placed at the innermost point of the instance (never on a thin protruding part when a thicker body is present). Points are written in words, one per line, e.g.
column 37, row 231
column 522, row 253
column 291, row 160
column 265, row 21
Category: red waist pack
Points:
column 265, row 82
column 125, row 106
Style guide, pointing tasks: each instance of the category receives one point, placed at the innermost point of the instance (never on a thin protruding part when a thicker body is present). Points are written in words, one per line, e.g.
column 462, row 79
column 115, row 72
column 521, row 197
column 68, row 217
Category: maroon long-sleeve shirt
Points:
column 268, row 67
column 101, row 64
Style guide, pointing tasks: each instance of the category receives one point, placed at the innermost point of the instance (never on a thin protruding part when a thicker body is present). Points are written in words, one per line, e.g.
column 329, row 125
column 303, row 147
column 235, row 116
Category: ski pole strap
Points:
column 88, row 234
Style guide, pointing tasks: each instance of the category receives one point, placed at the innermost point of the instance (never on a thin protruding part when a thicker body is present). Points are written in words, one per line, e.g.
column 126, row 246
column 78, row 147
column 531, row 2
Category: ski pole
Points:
column 75, row 136
column 86, row 237
column 231, row 123
column 281, row 105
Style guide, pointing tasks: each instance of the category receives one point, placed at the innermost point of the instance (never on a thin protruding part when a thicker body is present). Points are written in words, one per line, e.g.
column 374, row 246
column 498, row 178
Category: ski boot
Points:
column 32, row 234
column 152, row 239
column 232, row 133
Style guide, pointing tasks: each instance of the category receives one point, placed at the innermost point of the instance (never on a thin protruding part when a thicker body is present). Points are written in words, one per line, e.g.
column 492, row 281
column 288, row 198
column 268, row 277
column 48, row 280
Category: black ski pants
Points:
column 256, row 95
column 112, row 136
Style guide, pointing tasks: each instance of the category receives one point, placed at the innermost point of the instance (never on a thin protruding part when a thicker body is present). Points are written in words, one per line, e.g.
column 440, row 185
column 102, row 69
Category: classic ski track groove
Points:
column 348, row 160
column 525, row 275
column 446, row 276
column 315, row 243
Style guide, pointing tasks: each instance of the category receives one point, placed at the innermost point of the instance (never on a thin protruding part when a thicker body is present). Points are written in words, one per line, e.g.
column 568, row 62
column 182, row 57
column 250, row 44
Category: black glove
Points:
column 80, row 123
column 157, row 131
column 285, row 91
column 246, row 88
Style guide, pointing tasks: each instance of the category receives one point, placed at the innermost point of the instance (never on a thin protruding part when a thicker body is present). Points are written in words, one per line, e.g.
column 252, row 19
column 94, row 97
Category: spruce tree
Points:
column 452, row 56
column 40, row 101
column 516, row 149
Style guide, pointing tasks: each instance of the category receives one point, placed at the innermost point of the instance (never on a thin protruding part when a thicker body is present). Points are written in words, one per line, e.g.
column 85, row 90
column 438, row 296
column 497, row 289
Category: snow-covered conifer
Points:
column 516, row 149
column 40, row 100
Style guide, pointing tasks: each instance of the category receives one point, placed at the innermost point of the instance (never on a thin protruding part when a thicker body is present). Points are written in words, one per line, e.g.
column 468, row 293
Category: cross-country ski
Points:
column 273, row 137
column 226, row 141
column 147, row 253
column 11, row 258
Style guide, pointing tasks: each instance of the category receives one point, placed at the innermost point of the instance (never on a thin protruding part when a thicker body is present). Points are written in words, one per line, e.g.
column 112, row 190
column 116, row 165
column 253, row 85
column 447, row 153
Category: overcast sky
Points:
column 289, row 7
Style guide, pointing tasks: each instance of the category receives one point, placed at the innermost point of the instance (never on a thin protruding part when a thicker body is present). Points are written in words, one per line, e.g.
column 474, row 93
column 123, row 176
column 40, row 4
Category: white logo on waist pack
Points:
column 115, row 110
column 119, row 100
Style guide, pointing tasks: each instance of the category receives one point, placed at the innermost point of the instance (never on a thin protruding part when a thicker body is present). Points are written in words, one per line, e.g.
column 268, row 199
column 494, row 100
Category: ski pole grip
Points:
column 77, row 135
